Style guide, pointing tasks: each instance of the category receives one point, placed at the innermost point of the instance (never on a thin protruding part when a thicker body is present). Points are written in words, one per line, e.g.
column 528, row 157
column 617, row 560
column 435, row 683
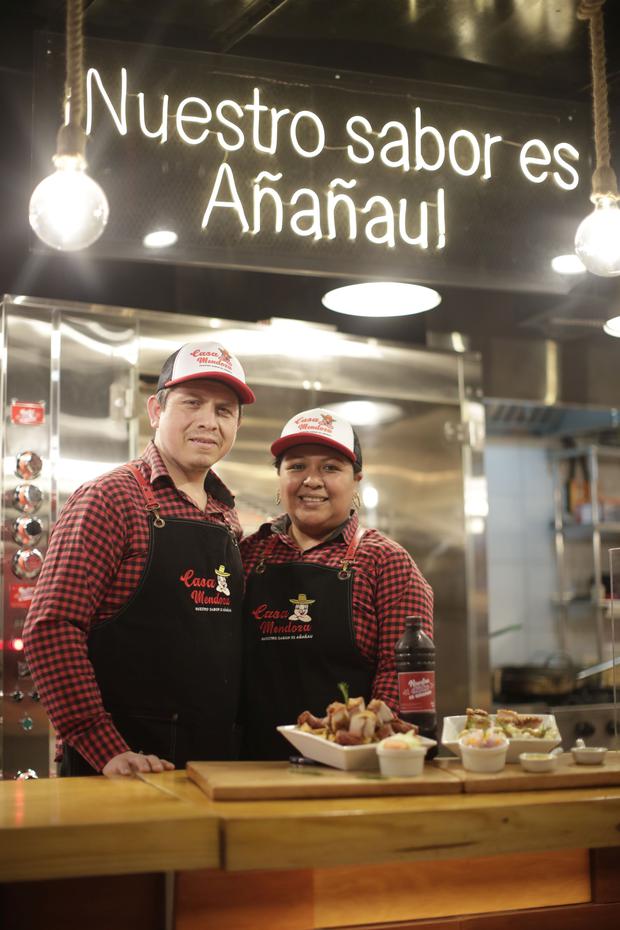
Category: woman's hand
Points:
column 126, row 763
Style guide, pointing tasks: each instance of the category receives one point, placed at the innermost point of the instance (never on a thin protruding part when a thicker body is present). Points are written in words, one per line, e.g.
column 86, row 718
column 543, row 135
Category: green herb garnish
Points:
column 344, row 690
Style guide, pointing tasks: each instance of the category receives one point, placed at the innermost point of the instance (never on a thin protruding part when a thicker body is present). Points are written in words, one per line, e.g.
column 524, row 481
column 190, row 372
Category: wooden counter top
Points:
column 94, row 826
column 60, row 827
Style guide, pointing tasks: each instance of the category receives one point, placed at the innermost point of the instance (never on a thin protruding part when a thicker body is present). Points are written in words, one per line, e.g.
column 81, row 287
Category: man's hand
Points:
column 129, row 762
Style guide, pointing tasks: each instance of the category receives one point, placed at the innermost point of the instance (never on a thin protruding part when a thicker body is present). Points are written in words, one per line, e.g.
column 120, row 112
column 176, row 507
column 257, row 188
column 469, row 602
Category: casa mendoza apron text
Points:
column 168, row 664
column 299, row 643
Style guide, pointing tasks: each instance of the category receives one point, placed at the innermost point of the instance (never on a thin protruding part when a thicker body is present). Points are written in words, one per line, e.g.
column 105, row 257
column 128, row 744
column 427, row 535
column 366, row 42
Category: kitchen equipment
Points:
column 28, row 464
column 27, row 531
column 592, row 722
column 240, row 781
column 555, row 677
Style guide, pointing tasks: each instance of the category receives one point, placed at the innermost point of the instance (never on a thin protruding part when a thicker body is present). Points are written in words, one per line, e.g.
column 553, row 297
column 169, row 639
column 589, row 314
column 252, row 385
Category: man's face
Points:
column 197, row 426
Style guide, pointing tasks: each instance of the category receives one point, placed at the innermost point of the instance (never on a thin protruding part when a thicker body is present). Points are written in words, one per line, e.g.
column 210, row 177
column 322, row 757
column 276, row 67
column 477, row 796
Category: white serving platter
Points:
column 348, row 758
column 321, row 750
column 452, row 727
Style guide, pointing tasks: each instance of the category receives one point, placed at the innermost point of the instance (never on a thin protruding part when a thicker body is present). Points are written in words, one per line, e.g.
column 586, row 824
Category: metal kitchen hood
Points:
column 510, row 417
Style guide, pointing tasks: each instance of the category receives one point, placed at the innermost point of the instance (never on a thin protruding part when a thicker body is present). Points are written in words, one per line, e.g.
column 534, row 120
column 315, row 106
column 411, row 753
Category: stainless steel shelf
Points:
column 605, row 527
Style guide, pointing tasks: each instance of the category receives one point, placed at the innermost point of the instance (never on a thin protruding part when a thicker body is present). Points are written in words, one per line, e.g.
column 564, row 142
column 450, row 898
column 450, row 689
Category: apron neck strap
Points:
column 152, row 504
column 355, row 541
column 349, row 556
column 346, row 563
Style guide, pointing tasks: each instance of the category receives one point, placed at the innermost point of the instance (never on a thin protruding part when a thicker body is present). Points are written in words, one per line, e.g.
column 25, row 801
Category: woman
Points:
column 325, row 600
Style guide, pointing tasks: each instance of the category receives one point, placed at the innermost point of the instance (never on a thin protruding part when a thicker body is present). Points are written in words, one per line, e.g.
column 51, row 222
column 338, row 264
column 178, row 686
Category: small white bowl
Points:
column 539, row 761
column 482, row 759
column 589, row 755
column 403, row 763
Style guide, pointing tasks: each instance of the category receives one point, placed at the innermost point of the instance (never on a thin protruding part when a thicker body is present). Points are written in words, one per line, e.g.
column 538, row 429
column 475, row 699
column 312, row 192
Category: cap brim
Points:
column 242, row 391
column 302, row 439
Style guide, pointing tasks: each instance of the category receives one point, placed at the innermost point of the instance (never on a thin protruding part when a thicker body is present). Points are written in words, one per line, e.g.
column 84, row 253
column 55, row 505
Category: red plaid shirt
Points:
column 94, row 561
column 387, row 587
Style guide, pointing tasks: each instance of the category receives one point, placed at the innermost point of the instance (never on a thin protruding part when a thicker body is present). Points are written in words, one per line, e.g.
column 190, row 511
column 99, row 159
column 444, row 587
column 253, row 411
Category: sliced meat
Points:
column 313, row 722
column 337, row 717
column 401, row 726
column 344, row 738
column 363, row 724
column 381, row 709
column 356, row 706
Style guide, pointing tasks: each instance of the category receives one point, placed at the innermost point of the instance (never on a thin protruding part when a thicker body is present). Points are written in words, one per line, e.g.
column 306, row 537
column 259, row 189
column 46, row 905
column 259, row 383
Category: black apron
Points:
column 299, row 644
column 168, row 665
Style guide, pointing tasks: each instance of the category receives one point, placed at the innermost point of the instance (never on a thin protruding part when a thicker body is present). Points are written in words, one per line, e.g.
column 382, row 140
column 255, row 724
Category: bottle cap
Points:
column 413, row 622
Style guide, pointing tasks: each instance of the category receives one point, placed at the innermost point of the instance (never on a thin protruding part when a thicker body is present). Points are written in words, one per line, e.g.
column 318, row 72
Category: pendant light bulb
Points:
column 597, row 242
column 68, row 210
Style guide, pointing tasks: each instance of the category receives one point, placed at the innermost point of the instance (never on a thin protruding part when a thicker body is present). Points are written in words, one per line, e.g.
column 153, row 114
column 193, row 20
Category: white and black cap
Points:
column 197, row 360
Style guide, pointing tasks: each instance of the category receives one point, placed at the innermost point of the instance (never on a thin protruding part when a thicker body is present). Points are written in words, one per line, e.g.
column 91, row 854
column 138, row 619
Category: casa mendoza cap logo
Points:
column 205, row 360
column 322, row 427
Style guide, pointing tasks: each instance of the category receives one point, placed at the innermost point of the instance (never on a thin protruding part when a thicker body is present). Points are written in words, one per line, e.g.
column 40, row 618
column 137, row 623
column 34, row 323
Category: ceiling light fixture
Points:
column 612, row 327
column 381, row 299
column 597, row 242
column 68, row 210
column 568, row 264
column 160, row 239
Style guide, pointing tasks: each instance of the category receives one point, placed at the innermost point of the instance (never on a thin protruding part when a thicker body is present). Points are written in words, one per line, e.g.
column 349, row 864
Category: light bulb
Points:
column 68, row 210
column 597, row 242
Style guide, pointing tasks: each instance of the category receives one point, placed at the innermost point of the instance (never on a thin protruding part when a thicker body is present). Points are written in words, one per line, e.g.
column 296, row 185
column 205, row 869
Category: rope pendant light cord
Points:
column 71, row 136
column 604, row 181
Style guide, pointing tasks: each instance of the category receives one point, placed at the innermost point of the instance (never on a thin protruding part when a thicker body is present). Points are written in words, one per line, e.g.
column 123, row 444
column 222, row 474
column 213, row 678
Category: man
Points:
column 132, row 647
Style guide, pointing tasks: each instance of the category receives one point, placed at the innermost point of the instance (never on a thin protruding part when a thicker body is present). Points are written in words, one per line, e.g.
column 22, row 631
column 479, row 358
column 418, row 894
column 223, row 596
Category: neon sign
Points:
column 314, row 174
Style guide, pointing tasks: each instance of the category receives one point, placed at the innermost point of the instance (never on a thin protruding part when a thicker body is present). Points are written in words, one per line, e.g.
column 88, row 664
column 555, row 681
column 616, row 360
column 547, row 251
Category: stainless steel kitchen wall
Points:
column 67, row 387
column 422, row 434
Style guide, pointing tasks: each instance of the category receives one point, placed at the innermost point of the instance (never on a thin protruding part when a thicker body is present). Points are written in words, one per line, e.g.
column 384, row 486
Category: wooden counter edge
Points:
column 109, row 849
column 348, row 838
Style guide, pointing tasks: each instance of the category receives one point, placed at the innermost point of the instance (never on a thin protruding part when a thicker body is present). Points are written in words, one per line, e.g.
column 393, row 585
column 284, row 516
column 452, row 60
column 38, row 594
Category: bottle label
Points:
column 416, row 691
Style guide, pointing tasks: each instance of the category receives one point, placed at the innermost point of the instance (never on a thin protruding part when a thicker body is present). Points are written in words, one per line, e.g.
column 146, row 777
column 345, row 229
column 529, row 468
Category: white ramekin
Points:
column 401, row 763
column 479, row 759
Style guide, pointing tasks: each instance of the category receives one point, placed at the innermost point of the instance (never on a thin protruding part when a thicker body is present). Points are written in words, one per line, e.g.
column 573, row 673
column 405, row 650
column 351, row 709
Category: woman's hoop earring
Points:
column 357, row 501
column 278, row 498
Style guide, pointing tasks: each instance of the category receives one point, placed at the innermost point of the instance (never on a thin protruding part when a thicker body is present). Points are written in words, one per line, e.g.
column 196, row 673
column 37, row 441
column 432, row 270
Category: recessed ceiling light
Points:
column 612, row 327
column 366, row 412
column 381, row 299
column 568, row 264
column 160, row 239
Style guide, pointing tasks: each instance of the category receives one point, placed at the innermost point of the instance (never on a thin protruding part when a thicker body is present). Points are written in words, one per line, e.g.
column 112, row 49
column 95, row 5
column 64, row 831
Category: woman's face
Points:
column 316, row 486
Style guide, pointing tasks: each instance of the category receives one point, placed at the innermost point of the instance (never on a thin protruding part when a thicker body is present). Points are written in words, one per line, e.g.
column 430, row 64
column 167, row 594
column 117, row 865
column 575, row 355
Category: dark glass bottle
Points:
column 414, row 654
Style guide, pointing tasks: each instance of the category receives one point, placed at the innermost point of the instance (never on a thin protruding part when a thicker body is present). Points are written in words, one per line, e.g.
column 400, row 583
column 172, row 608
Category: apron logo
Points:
column 208, row 593
column 221, row 575
column 302, row 604
column 282, row 624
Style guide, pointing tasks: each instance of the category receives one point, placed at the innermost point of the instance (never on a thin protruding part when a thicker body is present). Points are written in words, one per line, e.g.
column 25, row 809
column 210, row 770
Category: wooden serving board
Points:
column 241, row 781
column 567, row 775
